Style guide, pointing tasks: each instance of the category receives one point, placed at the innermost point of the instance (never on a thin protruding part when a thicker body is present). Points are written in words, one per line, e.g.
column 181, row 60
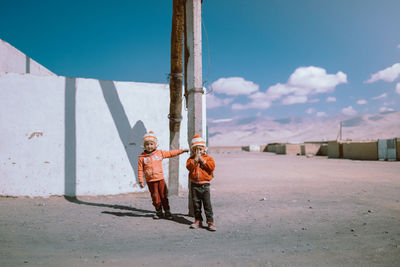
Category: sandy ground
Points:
column 270, row 210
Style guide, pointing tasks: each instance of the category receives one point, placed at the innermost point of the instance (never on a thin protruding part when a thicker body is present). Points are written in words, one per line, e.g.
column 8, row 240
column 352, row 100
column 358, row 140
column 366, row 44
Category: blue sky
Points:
column 275, row 58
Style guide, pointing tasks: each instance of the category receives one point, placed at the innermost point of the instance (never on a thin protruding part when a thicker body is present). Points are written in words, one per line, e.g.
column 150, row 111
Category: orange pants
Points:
column 159, row 194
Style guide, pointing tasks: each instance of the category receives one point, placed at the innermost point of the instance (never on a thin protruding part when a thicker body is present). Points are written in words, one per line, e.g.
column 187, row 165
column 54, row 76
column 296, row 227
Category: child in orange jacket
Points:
column 201, row 167
column 150, row 164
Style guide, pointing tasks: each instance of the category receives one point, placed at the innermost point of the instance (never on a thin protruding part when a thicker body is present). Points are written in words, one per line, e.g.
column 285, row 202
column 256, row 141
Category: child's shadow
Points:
column 175, row 217
column 135, row 212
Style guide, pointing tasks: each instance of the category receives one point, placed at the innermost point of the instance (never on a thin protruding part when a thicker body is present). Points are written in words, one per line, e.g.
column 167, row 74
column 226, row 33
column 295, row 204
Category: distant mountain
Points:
column 264, row 130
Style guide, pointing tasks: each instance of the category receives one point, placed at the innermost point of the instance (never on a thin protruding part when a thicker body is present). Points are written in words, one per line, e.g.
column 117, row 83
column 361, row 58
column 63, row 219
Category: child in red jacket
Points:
column 150, row 164
column 201, row 167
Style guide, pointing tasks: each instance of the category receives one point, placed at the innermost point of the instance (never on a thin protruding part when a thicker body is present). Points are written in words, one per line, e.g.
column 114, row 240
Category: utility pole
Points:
column 193, row 74
column 175, row 89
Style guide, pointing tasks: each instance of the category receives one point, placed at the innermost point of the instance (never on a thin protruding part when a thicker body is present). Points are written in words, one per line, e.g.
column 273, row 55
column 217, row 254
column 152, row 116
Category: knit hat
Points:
column 197, row 141
column 150, row 136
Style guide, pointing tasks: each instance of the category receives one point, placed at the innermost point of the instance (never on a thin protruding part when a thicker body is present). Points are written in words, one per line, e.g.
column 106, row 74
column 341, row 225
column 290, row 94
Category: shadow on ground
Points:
column 134, row 212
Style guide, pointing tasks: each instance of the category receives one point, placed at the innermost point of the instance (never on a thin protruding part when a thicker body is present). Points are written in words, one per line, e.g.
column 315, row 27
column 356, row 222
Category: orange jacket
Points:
column 201, row 173
column 151, row 164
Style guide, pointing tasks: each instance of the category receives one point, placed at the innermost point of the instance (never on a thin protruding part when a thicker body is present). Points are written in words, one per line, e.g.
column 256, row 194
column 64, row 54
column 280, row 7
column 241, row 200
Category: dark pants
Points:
column 159, row 194
column 201, row 195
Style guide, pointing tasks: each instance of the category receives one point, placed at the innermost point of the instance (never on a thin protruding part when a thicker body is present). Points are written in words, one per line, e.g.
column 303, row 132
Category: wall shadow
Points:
column 70, row 138
column 131, row 138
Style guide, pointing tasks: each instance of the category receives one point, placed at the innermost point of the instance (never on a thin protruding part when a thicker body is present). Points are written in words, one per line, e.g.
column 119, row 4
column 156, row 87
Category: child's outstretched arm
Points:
column 173, row 153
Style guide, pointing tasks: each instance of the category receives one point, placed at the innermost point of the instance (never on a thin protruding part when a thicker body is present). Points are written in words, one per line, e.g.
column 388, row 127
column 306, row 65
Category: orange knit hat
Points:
column 197, row 141
column 150, row 136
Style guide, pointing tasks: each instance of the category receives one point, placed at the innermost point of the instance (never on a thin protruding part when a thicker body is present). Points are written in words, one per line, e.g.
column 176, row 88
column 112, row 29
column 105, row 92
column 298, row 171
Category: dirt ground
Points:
column 270, row 210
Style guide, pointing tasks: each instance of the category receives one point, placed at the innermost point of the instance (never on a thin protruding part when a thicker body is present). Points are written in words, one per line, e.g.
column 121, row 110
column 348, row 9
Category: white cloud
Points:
column 310, row 110
column 331, row 99
column 221, row 120
column 316, row 80
column 234, row 86
column 240, row 106
column 362, row 102
column 390, row 103
column 258, row 103
column 398, row 46
column 318, row 114
column 384, row 95
column 384, row 109
column 389, row 74
column 302, row 83
column 349, row 111
column 278, row 90
column 214, row 102
column 259, row 100
column 398, row 88
column 314, row 100
column 294, row 99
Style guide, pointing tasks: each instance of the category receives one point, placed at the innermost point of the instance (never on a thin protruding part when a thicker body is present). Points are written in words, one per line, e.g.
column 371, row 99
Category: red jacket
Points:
column 201, row 173
column 151, row 164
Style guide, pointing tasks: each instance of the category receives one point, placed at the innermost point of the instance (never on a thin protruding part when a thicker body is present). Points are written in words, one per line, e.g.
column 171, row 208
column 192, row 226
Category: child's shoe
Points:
column 168, row 215
column 158, row 215
column 196, row 224
column 211, row 226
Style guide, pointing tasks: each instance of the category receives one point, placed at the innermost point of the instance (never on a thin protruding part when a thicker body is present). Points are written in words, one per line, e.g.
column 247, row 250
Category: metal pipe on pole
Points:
column 175, row 87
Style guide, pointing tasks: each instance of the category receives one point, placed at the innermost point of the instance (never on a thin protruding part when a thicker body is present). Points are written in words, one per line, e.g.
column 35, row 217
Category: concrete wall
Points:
column 323, row 147
column 271, row 147
column 280, row 149
column 70, row 136
column 367, row 150
column 398, row 148
column 254, row 148
column 288, row 149
column 387, row 149
column 335, row 149
column 323, row 150
column 292, row 149
column 310, row 149
column 14, row 61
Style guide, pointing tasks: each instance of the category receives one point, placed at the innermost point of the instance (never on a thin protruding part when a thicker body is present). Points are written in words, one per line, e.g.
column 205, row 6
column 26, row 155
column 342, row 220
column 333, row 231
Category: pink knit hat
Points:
column 150, row 136
column 197, row 141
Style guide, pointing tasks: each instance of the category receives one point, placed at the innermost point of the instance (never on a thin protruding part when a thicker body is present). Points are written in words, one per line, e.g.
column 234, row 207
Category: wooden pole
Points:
column 193, row 73
column 175, row 87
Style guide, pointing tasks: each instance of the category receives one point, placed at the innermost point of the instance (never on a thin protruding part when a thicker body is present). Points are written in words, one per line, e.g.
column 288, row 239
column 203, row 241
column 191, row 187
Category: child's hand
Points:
column 185, row 150
column 141, row 185
column 198, row 156
column 200, row 160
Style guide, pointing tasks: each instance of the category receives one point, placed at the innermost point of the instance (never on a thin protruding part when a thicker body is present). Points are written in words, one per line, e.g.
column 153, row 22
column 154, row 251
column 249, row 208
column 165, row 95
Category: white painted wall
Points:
column 14, row 61
column 78, row 136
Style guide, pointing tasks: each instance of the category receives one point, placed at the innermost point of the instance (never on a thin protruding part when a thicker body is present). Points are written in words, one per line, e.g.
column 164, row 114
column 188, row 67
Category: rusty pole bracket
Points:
column 175, row 119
